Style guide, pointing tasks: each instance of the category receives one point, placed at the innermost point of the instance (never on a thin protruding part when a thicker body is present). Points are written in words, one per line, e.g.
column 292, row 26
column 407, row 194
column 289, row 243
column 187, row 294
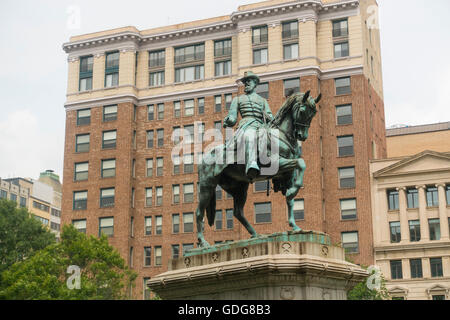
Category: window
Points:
column 109, row 113
column 176, row 223
column 23, row 202
column 416, row 268
column 80, row 225
column 159, row 196
column 218, row 103
column 177, row 109
column 106, row 227
column 218, row 192
column 133, row 141
column 80, row 200
column 347, row 177
column 396, row 269
column 41, row 206
column 112, row 70
column 3, row 194
column 150, row 138
column 132, row 198
column 160, row 137
column 188, row 163
column 160, row 111
column 432, row 197
column 158, row 225
column 190, row 53
column 83, row 117
column 343, row 86
column 201, row 105
column 109, row 139
column 108, row 168
column 340, row 28
column 131, row 257
column 438, row 297
column 291, row 86
column 350, row 242
column 187, row 247
column 260, row 186
column 176, row 164
column 148, row 226
column 149, row 167
column 344, row 114
column 263, row 90
column 414, row 230
column 159, row 167
column 395, row 232
column 345, row 146
column 290, row 30
column 157, row 79
column 148, row 197
column 188, row 191
column 189, row 108
column 290, row 51
column 393, row 201
column 41, row 220
column 157, row 59
column 147, row 256
column 55, row 226
column 176, row 193
column 412, row 197
column 260, row 35
column 151, row 112
column 263, row 212
column 175, row 251
column 436, row 267
column 188, row 222
column 348, row 209
column 228, row 101
column 219, row 220
column 223, row 68
column 260, row 56
column 299, row 209
column 222, row 48
column 81, row 171
column 158, row 256
column 229, row 217
column 86, row 68
column 435, row 229
column 341, row 50
column 107, row 198
column 201, row 132
column 188, row 74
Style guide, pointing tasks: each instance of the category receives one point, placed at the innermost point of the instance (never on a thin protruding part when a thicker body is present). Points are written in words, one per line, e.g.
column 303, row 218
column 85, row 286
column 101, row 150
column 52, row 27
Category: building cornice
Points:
column 238, row 21
column 411, row 247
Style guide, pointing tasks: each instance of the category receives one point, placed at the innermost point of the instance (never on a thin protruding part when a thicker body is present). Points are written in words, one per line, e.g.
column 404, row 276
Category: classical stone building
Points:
column 129, row 90
column 411, row 219
column 411, row 140
column 41, row 197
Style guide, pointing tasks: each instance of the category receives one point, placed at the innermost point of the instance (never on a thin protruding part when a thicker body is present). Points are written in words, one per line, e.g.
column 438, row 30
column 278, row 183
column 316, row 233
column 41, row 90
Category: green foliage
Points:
column 362, row 292
column 103, row 273
column 21, row 236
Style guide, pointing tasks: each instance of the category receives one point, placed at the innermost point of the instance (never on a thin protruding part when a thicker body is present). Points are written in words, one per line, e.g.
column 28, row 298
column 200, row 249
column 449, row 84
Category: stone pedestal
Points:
column 283, row 266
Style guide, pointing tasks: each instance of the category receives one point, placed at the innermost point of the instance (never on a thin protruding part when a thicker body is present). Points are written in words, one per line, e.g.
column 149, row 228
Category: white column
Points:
column 424, row 230
column 443, row 212
column 404, row 225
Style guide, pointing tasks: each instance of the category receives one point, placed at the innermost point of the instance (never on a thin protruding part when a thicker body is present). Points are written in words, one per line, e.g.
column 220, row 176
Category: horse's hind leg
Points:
column 205, row 197
column 240, row 197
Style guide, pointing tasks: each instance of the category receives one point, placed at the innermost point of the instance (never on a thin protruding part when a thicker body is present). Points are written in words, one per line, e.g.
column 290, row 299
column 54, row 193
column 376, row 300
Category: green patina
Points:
column 290, row 236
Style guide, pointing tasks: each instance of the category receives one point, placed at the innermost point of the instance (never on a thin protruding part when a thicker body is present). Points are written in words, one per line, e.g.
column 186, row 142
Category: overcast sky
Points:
column 415, row 36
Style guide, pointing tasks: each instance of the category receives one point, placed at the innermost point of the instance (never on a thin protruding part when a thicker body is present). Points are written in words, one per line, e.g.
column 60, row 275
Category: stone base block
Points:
column 283, row 266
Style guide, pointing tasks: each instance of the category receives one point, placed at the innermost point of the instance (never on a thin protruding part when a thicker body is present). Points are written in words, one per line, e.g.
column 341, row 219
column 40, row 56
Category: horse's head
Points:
column 303, row 111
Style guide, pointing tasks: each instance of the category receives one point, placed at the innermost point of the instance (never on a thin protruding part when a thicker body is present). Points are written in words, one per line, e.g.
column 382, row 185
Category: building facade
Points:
column 41, row 197
column 411, row 220
column 129, row 90
column 411, row 140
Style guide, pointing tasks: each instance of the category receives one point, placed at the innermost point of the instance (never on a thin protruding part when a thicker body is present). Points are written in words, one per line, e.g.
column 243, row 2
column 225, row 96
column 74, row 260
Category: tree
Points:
column 362, row 291
column 103, row 273
column 21, row 236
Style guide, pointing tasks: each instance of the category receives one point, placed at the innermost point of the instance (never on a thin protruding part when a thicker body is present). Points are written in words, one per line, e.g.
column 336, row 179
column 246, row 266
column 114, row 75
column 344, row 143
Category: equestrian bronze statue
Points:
column 263, row 148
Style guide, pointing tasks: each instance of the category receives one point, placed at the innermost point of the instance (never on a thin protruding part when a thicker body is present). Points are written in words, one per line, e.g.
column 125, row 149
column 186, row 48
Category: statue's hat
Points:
column 250, row 75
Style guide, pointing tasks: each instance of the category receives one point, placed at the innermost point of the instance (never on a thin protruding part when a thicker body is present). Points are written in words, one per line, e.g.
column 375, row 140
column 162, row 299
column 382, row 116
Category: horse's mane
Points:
column 286, row 108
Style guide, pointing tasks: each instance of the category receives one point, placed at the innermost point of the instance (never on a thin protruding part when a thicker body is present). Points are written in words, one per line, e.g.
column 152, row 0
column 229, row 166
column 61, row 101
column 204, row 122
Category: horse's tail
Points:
column 211, row 210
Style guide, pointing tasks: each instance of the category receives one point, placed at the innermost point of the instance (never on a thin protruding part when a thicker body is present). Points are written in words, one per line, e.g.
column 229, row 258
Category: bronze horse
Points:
column 291, row 124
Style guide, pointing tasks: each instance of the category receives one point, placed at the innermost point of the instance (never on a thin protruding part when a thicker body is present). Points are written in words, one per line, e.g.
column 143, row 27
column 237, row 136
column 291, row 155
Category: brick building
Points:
column 128, row 90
